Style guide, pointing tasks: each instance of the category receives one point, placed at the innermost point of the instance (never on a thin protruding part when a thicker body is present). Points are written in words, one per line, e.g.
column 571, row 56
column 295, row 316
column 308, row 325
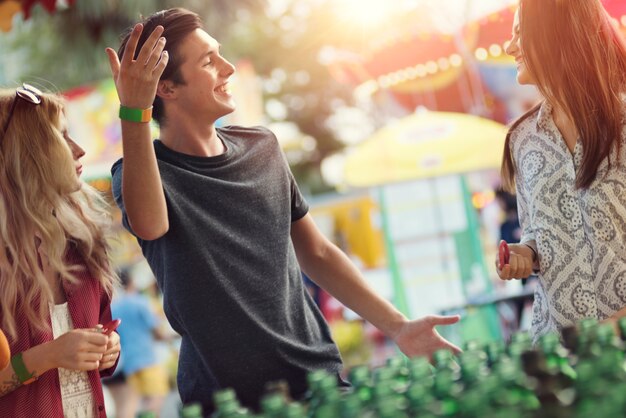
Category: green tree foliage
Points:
column 290, row 43
column 66, row 48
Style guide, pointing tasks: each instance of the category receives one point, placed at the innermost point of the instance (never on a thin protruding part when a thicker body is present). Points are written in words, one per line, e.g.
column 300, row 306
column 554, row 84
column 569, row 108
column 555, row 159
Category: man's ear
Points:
column 166, row 90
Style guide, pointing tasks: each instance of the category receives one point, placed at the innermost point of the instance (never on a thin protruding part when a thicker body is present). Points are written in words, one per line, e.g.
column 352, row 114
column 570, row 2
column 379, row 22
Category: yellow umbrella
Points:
column 426, row 144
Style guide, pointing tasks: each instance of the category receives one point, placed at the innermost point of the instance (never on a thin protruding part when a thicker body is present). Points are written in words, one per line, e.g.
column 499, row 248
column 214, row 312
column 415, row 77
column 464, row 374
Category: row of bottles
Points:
column 582, row 375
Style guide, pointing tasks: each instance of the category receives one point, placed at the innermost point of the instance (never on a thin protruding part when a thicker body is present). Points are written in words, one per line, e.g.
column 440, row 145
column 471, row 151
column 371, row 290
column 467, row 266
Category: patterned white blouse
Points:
column 580, row 233
column 76, row 393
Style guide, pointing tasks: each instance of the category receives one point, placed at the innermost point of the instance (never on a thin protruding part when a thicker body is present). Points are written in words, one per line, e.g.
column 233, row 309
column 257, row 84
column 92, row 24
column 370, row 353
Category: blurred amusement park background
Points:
column 392, row 115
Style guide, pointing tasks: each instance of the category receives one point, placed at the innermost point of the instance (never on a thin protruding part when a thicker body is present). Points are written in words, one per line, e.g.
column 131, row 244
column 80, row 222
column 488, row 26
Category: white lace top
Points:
column 78, row 401
column 580, row 233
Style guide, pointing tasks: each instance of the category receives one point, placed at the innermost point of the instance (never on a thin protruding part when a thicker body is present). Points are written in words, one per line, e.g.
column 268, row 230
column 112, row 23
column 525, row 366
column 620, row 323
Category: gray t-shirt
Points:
column 227, row 268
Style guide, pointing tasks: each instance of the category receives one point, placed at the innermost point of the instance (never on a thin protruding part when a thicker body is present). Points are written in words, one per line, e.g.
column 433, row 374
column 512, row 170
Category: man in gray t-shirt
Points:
column 239, row 285
column 224, row 227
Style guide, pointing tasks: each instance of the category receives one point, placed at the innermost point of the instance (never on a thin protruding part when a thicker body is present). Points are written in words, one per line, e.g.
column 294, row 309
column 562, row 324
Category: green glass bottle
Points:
column 314, row 379
column 512, row 388
column 361, row 380
column 447, row 389
column 556, row 355
column 391, row 408
column 383, row 374
column 350, row 406
column 473, row 367
column 280, row 387
column 227, row 405
column 399, row 366
column 587, row 325
column 444, row 359
column 325, row 398
column 420, row 398
column 520, row 342
column 607, row 339
column 326, row 411
column 495, row 350
column 473, row 403
column 192, row 410
column 554, row 389
column 621, row 324
column 471, row 345
column 273, row 405
column 383, row 389
column 590, row 384
column 610, row 404
column 420, row 371
column 393, row 376
column 224, row 395
column 294, row 410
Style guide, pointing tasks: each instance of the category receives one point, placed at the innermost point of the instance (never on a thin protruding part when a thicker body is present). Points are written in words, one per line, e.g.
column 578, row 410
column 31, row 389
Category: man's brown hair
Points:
column 177, row 24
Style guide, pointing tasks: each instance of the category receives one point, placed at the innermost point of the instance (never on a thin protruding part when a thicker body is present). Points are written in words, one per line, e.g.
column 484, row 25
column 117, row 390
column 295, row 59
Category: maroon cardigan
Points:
column 88, row 305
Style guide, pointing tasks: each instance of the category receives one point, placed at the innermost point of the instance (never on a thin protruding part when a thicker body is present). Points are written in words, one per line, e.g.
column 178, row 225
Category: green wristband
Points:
column 132, row 114
column 20, row 370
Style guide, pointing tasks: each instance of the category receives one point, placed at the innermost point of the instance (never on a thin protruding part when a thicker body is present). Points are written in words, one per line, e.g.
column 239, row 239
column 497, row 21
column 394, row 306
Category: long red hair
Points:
column 577, row 57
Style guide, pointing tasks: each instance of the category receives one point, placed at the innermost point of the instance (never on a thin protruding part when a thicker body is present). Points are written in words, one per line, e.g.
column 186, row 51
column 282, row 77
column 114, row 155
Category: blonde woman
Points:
column 55, row 279
column 566, row 160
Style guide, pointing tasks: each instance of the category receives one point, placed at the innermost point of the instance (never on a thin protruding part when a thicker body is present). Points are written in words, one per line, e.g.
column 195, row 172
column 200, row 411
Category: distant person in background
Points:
column 147, row 380
column 55, row 277
column 510, row 229
column 118, row 390
column 511, row 232
column 566, row 158
column 313, row 289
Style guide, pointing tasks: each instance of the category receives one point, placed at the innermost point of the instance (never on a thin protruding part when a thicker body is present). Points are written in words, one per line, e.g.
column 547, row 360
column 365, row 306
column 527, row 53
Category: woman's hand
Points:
column 112, row 352
column 79, row 349
column 136, row 80
column 520, row 264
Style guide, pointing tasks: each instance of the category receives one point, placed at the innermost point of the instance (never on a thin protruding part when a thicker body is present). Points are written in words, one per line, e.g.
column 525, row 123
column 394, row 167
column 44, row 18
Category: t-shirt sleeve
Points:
column 116, row 189
column 299, row 206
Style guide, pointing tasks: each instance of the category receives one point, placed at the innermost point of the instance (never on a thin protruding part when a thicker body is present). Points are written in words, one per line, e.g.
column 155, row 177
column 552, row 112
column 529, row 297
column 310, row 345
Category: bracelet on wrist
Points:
column 132, row 114
column 21, row 371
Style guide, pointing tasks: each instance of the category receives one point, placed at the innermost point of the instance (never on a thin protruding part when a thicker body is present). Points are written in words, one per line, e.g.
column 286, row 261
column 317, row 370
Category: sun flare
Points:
column 364, row 12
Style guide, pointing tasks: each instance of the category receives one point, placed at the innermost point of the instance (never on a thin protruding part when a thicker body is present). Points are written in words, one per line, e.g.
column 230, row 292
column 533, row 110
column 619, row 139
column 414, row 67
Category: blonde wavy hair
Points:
column 43, row 204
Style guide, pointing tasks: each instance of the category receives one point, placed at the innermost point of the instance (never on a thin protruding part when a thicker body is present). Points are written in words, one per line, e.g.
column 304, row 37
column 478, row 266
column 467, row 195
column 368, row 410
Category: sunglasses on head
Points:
column 26, row 92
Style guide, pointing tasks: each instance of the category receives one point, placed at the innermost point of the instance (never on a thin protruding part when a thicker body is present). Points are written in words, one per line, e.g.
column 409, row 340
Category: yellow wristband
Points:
column 135, row 115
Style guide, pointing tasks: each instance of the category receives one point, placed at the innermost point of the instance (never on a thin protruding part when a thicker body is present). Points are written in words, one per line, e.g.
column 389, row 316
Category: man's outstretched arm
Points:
column 332, row 270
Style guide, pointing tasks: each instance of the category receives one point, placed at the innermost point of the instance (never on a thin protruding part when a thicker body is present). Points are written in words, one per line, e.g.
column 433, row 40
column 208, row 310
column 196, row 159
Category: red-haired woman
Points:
column 566, row 160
